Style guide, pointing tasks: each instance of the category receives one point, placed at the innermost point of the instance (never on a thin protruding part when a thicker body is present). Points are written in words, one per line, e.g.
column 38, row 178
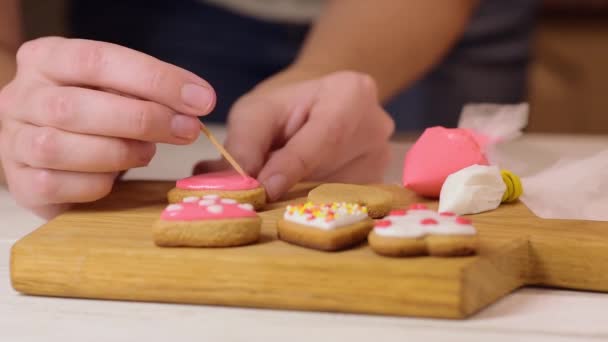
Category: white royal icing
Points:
column 206, row 202
column 228, row 201
column 211, row 197
column 410, row 225
column 190, row 199
column 246, row 206
column 472, row 190
column 174, row 207
column 342, row 215
column 216, row 209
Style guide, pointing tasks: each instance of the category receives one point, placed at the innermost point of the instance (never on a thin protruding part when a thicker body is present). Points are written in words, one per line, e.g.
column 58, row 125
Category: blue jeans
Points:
column 234, row 52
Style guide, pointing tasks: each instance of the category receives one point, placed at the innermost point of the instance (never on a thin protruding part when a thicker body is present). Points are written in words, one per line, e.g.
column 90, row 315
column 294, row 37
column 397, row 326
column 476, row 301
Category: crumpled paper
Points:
column 494, row 122
column 569, row 189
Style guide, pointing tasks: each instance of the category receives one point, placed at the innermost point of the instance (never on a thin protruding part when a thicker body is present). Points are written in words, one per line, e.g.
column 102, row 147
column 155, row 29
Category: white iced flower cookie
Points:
column 420, row 231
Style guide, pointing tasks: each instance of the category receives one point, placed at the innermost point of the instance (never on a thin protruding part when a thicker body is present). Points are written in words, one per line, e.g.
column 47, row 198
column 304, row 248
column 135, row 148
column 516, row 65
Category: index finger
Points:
column 104, row 65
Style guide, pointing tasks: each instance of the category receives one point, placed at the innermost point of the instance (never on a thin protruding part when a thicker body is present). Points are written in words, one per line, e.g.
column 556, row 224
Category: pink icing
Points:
column 463, row 220
column 208, row 208
column 428, row 221
column 382, row 223
column 438, row 153
column 398, row 212
column 418, row 206
column 225, row 180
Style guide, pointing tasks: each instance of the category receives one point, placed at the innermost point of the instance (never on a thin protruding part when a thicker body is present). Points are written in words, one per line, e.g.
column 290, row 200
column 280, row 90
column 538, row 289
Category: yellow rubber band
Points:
column 515, row 190
column 517, row 186
column 514, row 186
column 509, row 192
column 519, row 189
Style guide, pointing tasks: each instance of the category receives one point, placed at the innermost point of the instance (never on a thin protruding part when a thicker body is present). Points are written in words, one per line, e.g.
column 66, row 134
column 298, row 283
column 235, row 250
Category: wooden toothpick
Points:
column 223, row 151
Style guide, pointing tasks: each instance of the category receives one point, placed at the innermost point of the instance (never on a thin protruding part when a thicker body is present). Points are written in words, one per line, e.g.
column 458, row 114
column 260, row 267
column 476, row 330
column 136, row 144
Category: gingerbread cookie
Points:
column 211, row 221
column 226, row 184
column 327, row 227
column 377, row 201
column 419, row 231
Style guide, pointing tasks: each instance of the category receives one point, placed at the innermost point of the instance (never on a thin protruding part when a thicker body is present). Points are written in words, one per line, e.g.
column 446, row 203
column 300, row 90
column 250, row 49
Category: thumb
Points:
column 253, row 127
column 303, row 154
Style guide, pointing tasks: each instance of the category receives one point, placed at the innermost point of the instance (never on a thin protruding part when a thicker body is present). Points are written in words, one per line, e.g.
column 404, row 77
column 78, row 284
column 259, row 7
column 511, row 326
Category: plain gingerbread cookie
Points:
column 226, row 184
column 211, row 221
column 377, row 201
column 326, row 227
column 419, row 231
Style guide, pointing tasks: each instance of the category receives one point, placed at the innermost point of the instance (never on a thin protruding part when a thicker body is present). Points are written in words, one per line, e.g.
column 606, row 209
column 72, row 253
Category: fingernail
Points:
column 185, row 127
column 275, row 185
column 198, row 97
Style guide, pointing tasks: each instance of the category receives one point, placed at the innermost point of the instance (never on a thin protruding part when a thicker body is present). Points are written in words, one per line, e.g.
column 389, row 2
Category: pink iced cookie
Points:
column 438, row 153
column 210, row 221
column 226, row 184
column 225, row 180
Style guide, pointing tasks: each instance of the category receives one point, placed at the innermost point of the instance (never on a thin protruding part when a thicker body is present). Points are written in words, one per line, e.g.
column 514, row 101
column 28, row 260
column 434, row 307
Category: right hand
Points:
column 79, row 112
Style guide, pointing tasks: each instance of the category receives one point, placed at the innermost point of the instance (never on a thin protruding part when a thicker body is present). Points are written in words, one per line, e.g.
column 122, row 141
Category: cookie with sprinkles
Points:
column 420, row 231
column 327, row 227
column 227, row 184
column 207, row 221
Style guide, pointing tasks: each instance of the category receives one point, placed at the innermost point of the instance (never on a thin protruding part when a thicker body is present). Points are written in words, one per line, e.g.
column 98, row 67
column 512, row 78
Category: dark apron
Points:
column 234, row 52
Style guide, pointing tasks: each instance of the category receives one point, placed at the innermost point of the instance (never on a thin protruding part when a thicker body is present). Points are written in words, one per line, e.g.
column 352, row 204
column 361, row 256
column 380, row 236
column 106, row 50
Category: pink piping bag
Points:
column 442, row 151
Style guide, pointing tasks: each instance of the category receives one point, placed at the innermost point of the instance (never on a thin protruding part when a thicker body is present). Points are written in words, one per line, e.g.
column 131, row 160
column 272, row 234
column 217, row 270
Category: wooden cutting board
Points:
column 105, row 251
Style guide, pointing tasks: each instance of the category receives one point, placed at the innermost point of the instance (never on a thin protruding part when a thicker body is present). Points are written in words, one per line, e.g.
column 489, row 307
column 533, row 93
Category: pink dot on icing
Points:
column 383, row 223
column 447, row 213
column 246, row 206
column 215, row 209
column 190, row 199
column 211, row 197
column 174, row 207
column 462, row 220
column 428, row 221
column 400, row 212
column 228, row 201
column 418, row 206
column 206, row 202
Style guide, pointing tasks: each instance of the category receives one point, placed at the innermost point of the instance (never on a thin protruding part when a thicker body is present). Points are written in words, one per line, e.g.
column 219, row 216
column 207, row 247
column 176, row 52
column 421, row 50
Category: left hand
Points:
column 330, row 128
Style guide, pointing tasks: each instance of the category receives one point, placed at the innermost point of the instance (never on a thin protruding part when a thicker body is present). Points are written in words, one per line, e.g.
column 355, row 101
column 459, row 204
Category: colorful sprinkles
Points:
column 329, row 212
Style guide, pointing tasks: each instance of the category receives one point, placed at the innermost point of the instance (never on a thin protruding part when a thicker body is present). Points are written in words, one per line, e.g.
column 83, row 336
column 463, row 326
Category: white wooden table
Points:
column 529, row 314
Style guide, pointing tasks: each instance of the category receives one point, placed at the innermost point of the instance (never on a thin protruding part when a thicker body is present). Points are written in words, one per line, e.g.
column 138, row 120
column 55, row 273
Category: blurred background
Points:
column 568, row 80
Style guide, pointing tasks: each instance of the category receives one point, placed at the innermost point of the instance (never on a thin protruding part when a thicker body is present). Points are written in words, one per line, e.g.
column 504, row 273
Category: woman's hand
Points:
column 330, row 128
column 79, row 112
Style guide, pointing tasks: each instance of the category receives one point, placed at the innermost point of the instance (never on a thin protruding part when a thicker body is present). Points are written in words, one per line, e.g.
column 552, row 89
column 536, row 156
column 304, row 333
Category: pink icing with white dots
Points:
column 225, row 180
column 419, row 221
column 210, row 207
